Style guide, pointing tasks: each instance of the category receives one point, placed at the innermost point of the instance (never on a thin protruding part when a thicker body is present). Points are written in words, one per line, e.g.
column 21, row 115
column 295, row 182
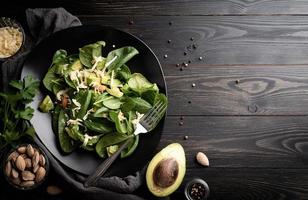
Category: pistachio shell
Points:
column 20, row 163
column 202, row 159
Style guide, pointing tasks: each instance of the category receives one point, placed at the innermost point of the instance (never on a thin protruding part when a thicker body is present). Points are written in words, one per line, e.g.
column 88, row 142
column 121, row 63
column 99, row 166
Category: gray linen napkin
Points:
column 43, row 22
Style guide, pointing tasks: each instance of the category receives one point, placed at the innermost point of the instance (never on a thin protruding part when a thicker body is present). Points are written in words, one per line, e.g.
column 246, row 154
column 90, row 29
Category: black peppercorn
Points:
column 197, row 189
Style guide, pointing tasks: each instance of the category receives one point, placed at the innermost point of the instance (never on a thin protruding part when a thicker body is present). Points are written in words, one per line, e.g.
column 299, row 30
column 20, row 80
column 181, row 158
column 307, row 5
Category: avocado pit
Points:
column 166, row 172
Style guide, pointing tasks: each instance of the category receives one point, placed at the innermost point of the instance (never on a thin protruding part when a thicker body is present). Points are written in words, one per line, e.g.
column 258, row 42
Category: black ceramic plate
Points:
column 71, row 39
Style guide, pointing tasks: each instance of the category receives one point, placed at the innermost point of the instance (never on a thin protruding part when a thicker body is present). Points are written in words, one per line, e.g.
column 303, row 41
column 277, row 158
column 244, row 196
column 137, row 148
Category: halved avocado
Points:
column 166, row 170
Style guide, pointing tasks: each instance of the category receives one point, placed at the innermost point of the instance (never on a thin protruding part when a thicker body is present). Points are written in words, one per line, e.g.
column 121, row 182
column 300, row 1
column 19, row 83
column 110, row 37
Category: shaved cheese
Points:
column 137, row 120
column 97, row 60
column 87, row 138
column 61, row 93
column 111, row 61
column 87, row 114
column 74, row 122
column 74, row 75
column 121, row 116
column 76, row 103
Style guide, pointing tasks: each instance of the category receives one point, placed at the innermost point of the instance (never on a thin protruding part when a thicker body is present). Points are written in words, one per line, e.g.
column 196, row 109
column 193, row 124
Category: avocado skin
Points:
column 175, row 153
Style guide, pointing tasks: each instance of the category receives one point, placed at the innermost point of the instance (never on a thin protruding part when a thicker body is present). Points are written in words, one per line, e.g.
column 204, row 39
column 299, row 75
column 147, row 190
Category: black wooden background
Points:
column 249, row 109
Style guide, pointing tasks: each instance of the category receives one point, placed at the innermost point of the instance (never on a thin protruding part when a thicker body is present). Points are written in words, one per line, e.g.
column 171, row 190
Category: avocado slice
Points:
column 166, row 170
column 46, row 105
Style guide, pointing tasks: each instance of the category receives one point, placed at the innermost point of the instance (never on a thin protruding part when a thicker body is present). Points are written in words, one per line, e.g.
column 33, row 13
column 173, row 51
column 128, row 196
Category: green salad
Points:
column 96, row 101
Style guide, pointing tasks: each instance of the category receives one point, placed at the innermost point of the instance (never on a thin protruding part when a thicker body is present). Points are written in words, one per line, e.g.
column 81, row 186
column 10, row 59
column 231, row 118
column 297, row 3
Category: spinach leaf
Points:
column 124, row 73
column 136, row 104
column 74, row 133
column 129, row 123
column 55, row 119
column 99, row 99
column 84, row 98
column 90, row 53
column 113, row 103
column 108, row 140
column 59, row 56
column 149, row 96
column 66, row 143
column 102, row 112
column 140, row 84
column 116, row 58
column 99, row 125
column 119, row 123
column 132, row 146
column 51, row 78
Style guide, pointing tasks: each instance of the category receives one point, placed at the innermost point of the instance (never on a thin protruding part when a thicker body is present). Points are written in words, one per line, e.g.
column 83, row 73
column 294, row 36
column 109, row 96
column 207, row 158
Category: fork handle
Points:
column 102, row 168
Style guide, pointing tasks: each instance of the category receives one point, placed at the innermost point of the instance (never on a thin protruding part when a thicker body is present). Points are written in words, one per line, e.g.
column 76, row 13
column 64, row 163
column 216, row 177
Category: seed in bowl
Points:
column 25, row 166
column 11, row 39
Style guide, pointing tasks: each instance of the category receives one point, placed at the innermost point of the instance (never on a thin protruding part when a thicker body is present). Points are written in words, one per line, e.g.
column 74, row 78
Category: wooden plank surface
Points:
column 260, row 52
column 168, row 7
column 220, row 39
column 238, row 89
column 243, row 184
column 242, row 142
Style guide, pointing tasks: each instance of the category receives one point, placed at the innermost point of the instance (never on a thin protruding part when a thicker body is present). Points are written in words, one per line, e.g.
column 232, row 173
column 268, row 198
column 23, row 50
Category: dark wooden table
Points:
column 249, row 109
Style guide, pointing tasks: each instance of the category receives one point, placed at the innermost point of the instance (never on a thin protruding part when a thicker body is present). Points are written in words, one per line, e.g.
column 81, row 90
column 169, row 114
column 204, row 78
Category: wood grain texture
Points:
column 242, row 142
column 219, row 39
column 244, row 184
column 238, row 90
column 170, row 7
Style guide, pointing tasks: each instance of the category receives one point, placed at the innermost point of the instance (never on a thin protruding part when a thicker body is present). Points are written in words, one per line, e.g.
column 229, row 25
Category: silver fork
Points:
column 146, row 124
